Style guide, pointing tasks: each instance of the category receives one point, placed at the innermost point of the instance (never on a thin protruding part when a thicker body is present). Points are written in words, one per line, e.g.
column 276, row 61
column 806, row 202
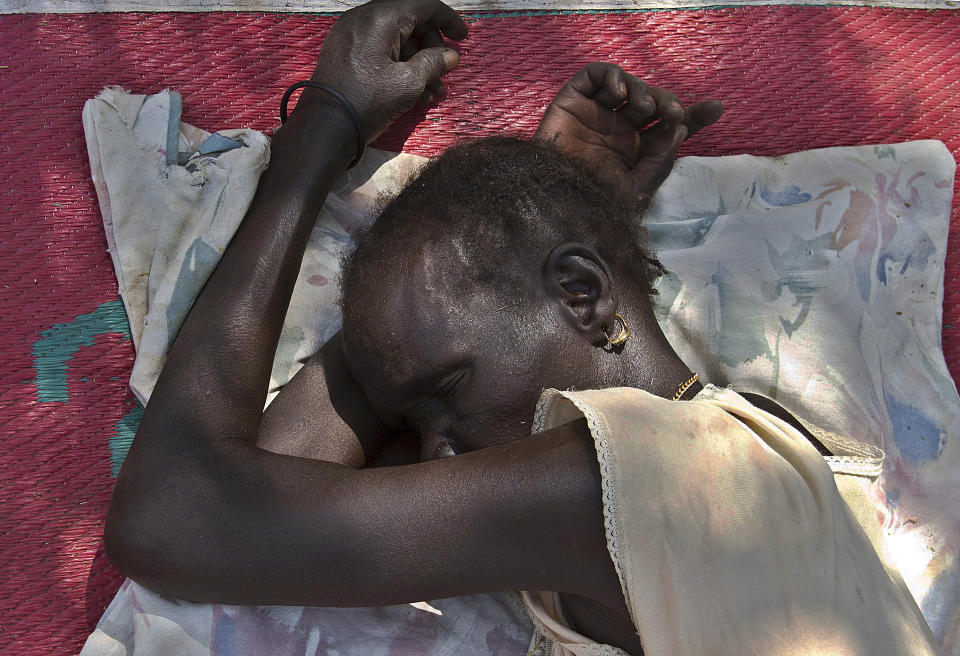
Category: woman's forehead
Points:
column 410, row 326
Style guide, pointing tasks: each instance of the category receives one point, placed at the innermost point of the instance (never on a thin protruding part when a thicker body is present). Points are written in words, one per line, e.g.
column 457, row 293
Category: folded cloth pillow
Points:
column 815, row 278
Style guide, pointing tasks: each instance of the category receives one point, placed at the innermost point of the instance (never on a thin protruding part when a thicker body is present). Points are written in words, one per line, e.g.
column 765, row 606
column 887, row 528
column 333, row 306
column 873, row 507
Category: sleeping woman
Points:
column 501, row 410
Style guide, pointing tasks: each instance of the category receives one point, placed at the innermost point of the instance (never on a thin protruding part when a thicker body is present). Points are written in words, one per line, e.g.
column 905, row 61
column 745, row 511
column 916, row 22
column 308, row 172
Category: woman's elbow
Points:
column 129, row 541
column 150, row 537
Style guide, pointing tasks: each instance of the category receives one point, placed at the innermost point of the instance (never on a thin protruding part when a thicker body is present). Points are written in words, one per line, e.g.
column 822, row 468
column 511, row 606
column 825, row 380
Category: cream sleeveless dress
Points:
column 732, row 535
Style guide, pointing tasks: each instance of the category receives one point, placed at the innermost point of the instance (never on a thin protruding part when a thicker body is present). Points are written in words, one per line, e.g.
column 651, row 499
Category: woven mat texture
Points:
column 792, row 78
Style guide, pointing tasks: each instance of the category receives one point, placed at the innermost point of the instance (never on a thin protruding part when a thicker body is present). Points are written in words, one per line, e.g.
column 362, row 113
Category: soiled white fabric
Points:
column 729, row 534
column 168, row 220
column 142, row 623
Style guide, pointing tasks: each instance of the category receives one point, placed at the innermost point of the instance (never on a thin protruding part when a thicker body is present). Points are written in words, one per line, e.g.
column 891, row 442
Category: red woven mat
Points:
column 792, row 78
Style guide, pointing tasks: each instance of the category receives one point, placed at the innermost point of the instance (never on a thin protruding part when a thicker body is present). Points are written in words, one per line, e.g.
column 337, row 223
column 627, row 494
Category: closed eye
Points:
column 449, row 384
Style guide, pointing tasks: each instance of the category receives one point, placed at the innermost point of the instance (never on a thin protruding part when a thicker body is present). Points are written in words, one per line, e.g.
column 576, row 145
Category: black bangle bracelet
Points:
column 343, row 101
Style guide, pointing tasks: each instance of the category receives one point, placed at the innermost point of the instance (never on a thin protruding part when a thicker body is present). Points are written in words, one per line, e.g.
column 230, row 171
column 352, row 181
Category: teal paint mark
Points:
column 678, row 235
column 917, row 436
column 785, row 197
column 227, row 637
column 893, row 498
column 198, row 263
column 173, row 127
column 668, row 287
column 910, row 247
column 57, row 345
column 941, row 601
column 122, row 438
column 885, row 151
column 802, row 268
column 742, row 331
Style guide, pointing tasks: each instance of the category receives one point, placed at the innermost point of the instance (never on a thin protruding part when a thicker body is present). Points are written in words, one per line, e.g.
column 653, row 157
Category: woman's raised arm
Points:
column 628, row 130
column 200, row 512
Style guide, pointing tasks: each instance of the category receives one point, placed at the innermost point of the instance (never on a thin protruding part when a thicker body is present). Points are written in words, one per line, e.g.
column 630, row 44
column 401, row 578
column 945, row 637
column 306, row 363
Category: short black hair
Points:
column 504, row 203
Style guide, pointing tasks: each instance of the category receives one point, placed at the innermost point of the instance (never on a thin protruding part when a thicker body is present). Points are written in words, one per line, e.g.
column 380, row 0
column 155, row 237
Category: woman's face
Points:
column 463, row 370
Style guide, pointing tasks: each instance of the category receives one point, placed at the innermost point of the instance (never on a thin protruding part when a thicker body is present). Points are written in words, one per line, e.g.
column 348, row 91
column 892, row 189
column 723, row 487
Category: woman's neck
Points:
column 647, row 360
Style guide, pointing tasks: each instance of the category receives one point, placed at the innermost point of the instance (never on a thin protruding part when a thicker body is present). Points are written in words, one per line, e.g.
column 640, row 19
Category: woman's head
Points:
column 495, row 273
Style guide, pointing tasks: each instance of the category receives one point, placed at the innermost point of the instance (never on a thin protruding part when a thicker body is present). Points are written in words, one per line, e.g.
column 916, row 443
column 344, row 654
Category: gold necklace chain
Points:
column 685, row 386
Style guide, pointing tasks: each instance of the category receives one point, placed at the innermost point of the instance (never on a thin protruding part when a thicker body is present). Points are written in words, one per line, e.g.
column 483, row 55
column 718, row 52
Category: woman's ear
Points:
column 579, row 280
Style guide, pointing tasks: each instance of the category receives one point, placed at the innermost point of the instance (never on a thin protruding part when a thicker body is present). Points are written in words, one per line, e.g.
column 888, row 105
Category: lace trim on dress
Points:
column 609, row 494
column 849, row 456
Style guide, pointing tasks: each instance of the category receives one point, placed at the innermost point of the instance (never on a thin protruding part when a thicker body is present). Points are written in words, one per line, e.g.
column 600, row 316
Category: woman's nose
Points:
column 434, row 445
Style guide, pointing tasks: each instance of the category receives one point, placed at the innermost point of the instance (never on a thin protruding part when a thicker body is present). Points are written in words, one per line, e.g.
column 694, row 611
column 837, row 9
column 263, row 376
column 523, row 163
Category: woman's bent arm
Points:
column 235, row 524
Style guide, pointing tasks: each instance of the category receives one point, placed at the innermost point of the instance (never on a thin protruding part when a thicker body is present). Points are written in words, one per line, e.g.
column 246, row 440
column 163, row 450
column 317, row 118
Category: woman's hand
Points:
column 386, row 55
column 628, row 130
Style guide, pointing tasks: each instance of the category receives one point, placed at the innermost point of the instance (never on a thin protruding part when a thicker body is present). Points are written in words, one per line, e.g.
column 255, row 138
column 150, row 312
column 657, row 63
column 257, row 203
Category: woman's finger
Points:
column 669, row 108
column 429, row 64
column 587, row 81
column 407, row 50
column 431, row 39
column 661, row 143
column 436, row 90
column 640, row 109
column 419, row 15
column 425, row 98
column 700, row 115
column 612, row 90
column 433, row 92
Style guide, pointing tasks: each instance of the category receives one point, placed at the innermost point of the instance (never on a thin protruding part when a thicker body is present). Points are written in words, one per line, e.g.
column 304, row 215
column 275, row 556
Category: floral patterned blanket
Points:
column 817, row 279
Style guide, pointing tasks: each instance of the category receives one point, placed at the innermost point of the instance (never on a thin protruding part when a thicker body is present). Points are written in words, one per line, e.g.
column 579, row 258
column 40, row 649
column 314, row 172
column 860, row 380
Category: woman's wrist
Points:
column 323, row 126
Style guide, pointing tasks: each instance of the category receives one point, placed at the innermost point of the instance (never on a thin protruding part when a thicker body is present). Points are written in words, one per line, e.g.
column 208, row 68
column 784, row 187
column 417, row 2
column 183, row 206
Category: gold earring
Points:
column 622, row 336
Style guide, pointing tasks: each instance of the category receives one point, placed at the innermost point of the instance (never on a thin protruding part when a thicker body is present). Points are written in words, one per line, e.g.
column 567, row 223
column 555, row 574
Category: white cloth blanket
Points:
column 815, row 278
